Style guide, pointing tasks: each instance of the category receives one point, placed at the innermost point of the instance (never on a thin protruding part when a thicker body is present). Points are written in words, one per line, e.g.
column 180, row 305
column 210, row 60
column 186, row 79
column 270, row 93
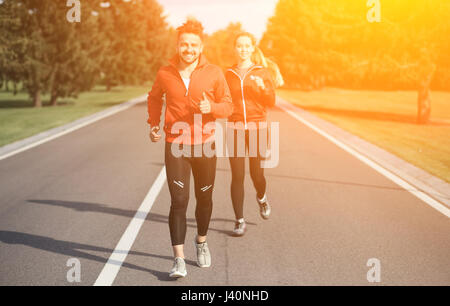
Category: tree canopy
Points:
column 123, row 42
column 332, row 43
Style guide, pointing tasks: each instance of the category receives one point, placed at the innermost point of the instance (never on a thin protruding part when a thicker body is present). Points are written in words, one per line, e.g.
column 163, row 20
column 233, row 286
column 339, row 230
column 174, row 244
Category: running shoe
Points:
column 203, row 254
column 264, row 207
column 239, row 228
column 179, row 268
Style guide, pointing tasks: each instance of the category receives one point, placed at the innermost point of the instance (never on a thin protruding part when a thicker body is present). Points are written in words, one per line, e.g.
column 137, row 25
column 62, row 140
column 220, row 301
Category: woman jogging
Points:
column 252, row 91
column 196, row 93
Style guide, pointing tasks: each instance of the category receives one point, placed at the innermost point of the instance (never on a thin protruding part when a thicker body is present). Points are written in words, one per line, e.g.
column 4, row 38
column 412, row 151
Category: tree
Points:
column 75, row 50
column 327, row 42
column 10, row 69
column 138, row 41
column 44, row 51
column 125, row 42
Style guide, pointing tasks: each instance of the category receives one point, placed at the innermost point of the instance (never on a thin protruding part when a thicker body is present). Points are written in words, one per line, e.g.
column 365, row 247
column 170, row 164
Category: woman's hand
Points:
column 259, row 81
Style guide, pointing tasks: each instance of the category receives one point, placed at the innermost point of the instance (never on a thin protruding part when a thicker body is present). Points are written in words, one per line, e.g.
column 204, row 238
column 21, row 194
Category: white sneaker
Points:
column 203, row 254
column 264, row 207
column 179, row 268
column 239, row 227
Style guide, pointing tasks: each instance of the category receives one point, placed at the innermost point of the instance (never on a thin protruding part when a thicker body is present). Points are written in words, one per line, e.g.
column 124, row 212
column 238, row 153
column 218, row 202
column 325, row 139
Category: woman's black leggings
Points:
column 178, row 170
column 237, row 164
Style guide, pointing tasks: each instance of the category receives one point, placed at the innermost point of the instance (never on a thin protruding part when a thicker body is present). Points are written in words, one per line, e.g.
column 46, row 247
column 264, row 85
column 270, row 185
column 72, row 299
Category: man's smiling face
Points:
column 189, row 47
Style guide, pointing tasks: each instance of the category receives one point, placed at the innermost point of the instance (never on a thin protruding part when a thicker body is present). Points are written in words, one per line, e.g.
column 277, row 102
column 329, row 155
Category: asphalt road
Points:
column 75, row 196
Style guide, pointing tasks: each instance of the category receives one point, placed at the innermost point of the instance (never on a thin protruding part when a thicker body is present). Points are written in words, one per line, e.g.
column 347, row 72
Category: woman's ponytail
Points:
column 259, row 59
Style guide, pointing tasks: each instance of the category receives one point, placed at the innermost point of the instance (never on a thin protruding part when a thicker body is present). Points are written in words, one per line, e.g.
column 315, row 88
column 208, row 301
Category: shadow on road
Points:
column 320, row 180
column 310, row 179
column 304, row 178
column 73, row 249
column 101, row 208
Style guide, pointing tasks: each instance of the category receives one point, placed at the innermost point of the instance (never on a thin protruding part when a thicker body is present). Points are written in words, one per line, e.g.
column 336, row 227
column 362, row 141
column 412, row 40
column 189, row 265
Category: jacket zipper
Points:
column 182, row 80
column 242, row 91
column 190, row 79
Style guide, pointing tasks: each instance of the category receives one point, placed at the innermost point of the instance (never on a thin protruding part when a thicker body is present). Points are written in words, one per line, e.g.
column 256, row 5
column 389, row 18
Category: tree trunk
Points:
column 53, row 100
column 427, row 69
column 424, row 105
column 37, row 98
column 53, row 84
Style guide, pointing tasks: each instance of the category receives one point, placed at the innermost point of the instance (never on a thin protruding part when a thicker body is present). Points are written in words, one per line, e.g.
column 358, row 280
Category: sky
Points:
column 217, row 14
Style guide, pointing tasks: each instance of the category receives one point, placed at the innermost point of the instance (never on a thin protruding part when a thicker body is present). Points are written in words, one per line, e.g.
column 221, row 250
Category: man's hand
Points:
column 154, row 136
column 259, row 81
column 205, row 105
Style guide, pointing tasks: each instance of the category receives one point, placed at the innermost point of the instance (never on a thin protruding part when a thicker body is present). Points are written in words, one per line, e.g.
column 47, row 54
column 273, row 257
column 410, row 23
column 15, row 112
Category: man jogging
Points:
column 196, row 93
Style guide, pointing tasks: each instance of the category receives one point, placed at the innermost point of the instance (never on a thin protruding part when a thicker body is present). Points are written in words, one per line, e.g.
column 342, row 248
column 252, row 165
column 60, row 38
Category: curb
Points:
column 35, row 140
column 419, row 178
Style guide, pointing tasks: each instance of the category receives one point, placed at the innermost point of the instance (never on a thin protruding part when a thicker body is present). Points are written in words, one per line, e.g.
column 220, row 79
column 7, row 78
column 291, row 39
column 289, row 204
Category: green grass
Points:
column 387, row 119
column 19, row 120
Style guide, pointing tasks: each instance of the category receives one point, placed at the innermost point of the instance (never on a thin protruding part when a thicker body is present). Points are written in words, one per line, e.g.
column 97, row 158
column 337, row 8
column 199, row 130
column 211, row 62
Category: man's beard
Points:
column 189, row 62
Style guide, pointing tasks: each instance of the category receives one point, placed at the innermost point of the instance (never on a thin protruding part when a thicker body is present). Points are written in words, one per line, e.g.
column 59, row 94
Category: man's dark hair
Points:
column 191, row 26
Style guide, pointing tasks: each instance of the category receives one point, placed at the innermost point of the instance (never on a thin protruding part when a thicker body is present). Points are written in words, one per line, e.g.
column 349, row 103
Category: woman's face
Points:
column 244, row 48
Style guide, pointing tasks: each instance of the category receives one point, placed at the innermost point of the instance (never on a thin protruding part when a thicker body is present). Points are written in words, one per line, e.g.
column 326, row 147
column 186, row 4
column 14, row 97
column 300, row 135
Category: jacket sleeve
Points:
column 155, row 102
column 222, row 107
column 268, row 94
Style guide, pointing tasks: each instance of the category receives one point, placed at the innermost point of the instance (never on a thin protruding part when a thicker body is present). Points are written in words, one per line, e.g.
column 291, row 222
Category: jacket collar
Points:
column 202, row 61
column 234, row 68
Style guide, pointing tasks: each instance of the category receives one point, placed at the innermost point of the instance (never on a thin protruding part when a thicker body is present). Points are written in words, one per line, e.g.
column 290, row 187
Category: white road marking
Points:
column 118, row 256
column 396, row 179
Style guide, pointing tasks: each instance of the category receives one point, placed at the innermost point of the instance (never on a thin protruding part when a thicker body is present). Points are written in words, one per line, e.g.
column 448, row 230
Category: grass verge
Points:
column 19, row 120
column 388, row 120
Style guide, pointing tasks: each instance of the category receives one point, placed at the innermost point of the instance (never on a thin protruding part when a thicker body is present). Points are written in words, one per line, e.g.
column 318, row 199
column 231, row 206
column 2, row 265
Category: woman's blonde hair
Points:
column 259, row 59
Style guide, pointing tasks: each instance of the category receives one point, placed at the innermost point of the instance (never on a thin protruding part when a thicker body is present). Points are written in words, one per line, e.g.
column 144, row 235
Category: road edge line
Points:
column 368, row 161
column 48, row 135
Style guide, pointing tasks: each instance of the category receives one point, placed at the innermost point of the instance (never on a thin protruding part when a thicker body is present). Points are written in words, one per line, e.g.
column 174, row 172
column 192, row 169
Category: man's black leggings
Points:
column 237, row 164
column 178, row 170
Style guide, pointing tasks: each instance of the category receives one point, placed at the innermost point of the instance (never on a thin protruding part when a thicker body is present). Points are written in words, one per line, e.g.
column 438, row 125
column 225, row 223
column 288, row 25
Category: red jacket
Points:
column 182, row 103
column 249, row 101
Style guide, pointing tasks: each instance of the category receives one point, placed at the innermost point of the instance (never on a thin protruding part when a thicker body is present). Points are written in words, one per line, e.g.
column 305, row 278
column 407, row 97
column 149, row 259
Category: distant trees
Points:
column 122, row 43
column 138, row 41
column 331, row 43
